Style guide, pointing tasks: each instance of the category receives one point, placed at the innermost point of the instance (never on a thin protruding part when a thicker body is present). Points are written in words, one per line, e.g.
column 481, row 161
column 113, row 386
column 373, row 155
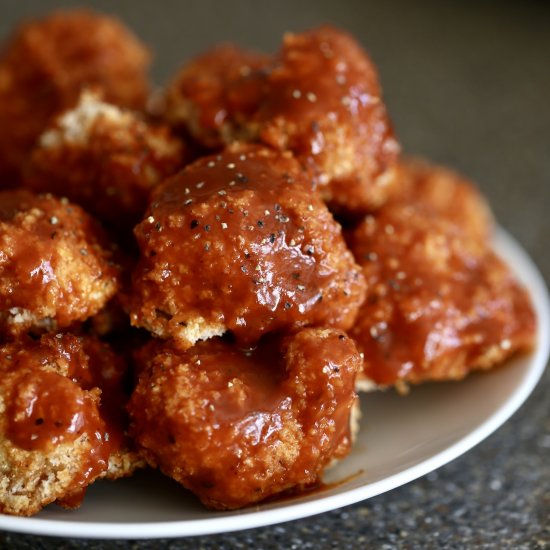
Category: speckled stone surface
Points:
column 469, row 85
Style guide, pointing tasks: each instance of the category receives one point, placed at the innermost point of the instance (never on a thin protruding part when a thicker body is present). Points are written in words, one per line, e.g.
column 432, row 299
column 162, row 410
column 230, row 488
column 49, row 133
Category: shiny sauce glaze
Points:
column 47, row 409
column 438, row 301
column 37, row 236
column 240, row 239
column 104, row 369
column 236, row 426
column 50, row 403
column 224, row 85
column 324, row 104
column 321, row 75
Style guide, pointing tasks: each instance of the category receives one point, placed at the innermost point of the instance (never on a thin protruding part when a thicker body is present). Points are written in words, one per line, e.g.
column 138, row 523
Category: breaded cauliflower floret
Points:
column 319, row 97
column 45, row 65
column 445, row 193
column 236, row 427
column 439, row 304
column 59, row 431
column 104, row 158
column 55, row 266
column 238, row 242
column 214, row 95
column 108, row 371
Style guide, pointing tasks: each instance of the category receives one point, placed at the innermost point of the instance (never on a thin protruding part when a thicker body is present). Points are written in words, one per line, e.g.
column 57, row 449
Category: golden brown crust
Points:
column 440, row 303
column 105, row 159
column 325, row 105
column 445, row 193
column 238, row 242
column 214, row 95
column 319, row 98
column 55, row 266
column 45, row 65
column 236, row 427
column 61, row 403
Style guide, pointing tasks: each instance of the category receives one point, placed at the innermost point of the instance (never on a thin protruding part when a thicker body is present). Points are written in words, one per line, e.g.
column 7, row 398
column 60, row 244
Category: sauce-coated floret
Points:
column 238, row 242
column 44, row 67
column 104, row 158
column 62, row 421
column 319, row 98
column 439, row 303
column 446, row 194
column 216, row 94
column 236, row 427
column 56, row 267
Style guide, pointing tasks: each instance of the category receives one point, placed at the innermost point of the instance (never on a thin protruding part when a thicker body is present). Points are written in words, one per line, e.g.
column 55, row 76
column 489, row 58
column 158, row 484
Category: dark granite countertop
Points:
column 467, row 84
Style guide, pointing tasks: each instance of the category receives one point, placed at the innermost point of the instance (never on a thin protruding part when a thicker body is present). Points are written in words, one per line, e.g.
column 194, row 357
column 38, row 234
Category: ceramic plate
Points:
column 401, row 439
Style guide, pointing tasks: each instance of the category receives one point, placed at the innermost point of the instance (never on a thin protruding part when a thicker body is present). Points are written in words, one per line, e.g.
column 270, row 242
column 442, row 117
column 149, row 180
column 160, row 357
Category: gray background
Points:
column 468, row 84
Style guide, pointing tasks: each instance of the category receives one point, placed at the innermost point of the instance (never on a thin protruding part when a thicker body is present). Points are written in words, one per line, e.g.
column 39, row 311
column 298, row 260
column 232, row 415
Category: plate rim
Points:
column 523, row 267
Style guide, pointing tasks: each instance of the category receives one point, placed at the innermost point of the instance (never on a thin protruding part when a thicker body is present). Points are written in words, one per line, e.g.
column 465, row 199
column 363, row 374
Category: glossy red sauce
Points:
column 242, row 425
column 268, row 252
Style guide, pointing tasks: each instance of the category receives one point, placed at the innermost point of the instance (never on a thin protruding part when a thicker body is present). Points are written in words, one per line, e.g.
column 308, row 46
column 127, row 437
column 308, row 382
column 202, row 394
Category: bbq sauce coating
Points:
column 319, row 97
column 324, row 104
column 446, row 194
column 238, row 426
column 214, row 96
column 105, row 159
column 56, row 266
column 238, row 242
column 55, row 436
column 44, row 67
column 440, row 303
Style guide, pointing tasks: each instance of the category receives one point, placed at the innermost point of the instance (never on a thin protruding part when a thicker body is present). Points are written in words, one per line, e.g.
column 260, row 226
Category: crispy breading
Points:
column 46, row 63
column 238, row 242
column 236, row 427
column 56, row 268
column 319, row 97
column 447, row 194
column 58, row 430
column 439, row 304
column 105, row 159
column 215, row 94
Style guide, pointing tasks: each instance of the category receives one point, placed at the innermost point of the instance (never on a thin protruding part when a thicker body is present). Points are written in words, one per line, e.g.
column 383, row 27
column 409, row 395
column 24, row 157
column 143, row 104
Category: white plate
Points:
column 400, row 440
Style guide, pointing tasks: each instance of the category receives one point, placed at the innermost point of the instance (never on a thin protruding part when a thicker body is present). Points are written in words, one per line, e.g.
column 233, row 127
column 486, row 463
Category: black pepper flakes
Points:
column 193, row 224
column 394, row 284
